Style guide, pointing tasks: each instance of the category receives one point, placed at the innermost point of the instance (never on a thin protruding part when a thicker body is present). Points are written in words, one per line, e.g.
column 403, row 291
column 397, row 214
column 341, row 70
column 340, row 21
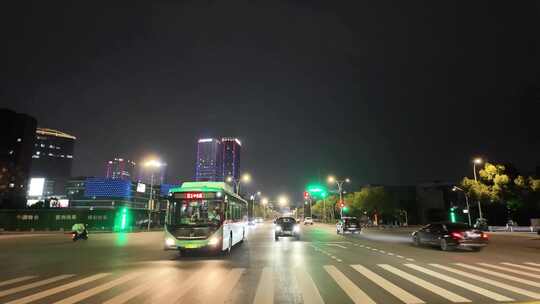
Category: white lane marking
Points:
column 500, row 275
column 310, row 293
column 484, row 292
column 265, row 289
column 532, row 275
column 390, row 253
column 525, row 292
column 337, row 245
column 227, row 284
column 334, row 257
column 98, row 289
column 409, row 259
column 356, row 294
column 17, row 280
column 172, row 294
column 400, row 256
column 13, row 290
column 382, row 251
column 426, row 285
column 155, row 281
column 388, row 286
column 55, row 290
column 522, row 267
column 339, row 260
column 533, row 264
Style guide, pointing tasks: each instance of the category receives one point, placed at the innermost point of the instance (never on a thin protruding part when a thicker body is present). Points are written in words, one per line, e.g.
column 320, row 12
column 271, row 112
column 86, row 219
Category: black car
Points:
column 286, row 226
column 348, row 225
column 449, row 236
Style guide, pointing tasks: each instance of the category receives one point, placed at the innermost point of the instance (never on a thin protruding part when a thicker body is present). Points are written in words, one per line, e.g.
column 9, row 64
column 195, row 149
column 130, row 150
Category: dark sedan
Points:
column 286, row 226
column 450, row 236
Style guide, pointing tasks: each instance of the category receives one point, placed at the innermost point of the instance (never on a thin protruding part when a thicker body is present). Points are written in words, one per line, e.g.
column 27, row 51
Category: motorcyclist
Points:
column 80, row 230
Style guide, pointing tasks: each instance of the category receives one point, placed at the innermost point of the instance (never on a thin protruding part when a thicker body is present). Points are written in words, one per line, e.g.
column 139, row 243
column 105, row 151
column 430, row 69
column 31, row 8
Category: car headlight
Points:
column 278, row 228
column 213, row 241
column 296, row 228
column 170, row 242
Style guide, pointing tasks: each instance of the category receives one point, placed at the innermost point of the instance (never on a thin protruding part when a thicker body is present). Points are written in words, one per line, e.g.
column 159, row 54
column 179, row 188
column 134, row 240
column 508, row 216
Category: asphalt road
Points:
column 374, row 267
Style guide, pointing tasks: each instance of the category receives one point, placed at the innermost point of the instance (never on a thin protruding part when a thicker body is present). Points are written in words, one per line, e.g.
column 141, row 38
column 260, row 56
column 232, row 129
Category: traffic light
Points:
column 122, row 219
column 306, row 195
column 453, row 214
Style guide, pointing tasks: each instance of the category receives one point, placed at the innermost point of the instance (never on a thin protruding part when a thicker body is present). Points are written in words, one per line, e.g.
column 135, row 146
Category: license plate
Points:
column 473, row 235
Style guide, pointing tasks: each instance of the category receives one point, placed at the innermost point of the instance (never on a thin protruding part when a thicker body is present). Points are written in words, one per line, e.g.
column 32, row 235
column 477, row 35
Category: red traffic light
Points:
column 342, row 205
column 306, row 195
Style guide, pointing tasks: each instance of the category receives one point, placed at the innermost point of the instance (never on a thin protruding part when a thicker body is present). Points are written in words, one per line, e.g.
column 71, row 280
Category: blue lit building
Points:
column 94, row 192
column 231, row 148
column 209, row 165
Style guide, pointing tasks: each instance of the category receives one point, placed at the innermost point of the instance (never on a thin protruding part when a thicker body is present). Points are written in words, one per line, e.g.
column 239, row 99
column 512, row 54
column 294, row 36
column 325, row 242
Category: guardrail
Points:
column 513, row 228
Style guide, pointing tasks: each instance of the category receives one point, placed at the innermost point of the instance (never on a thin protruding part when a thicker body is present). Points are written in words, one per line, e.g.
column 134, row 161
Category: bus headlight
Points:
column 170, row 242
column 296, row 228
column 213, row 241
column 278, row 228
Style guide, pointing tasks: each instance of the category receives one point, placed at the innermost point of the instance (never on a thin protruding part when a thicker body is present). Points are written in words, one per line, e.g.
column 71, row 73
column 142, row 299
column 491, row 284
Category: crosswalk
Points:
column 408, row 283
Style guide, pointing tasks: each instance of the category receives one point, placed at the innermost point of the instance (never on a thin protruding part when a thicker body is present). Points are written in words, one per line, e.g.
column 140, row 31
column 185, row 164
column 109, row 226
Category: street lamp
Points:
column 151, row 164
column 245, row 178
column 283, row 200
column 332, row 180
column 456, row 188
column 477, row 161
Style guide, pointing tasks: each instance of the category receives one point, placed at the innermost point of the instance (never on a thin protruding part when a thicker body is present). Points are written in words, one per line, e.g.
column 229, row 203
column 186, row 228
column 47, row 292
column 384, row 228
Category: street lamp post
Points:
column 264, row 202
column 245, row 178
column 339, row 183
column 456, row 188
column 477, row 161
column 152, row 164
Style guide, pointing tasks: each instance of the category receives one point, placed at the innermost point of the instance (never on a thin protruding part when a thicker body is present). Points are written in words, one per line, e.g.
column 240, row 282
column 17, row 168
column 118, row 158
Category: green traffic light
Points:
column 453, row 215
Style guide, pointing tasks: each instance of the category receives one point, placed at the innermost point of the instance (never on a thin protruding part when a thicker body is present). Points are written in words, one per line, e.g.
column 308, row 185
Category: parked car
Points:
column 286, row 226
column 348, row 225
column 308, row 221
column 450, row 236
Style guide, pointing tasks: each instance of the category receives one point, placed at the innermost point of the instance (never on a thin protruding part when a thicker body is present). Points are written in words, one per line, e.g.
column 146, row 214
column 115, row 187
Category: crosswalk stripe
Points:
column 229, row 281
column 98, row 289
column 388, row 286
column 532, row 275
column 533, row 264
column 13, row 290
column 500, row 275
column 16, row 280
column 310, row 293
column 172, row 295
column 425, row 284
column 484, row 292
column 55, row 290
column 265, row 289
column 356, row 294
column 518, row 290
column 138, row 290
column 522, row 267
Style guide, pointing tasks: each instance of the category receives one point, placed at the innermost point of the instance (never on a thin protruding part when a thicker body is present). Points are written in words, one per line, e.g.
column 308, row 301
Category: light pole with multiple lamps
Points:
column 477, row 161
column 456, row 188
column 339, row 183
column 151, row 165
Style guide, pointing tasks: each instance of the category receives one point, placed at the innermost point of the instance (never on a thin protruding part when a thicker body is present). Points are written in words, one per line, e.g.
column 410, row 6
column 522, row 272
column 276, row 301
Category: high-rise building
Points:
column 17, row 135
column 53, row 158
column 209, row 160
column 231, row 149
column 120, row 168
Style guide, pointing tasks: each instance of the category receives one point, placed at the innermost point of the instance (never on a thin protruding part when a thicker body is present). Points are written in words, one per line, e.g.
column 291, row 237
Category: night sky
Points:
column 385, row 92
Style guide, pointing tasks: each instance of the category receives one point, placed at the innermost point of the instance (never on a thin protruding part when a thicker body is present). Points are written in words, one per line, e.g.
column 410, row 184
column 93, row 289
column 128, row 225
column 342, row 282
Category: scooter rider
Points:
column 79, row 229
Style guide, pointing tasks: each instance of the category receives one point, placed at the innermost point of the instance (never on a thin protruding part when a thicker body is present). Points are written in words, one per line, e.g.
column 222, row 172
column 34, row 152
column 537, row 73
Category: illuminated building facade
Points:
column 209, row 160
column 120, row 168
column 231, row 149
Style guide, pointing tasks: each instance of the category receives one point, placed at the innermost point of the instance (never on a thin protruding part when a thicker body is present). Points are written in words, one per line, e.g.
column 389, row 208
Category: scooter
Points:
column 79, row 236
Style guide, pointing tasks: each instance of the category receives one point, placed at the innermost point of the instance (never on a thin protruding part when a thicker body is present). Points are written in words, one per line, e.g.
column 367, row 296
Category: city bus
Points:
column 204, row 215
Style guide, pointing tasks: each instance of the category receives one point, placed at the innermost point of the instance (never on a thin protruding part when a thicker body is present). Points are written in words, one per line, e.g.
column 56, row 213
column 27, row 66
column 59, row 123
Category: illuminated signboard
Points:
column 195, row 195
column 36, row 186
column 141, row 187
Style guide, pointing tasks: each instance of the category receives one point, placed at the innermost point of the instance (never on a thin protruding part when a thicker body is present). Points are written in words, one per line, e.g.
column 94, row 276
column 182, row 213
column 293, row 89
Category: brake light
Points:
column 456, row 235
column 484, row 235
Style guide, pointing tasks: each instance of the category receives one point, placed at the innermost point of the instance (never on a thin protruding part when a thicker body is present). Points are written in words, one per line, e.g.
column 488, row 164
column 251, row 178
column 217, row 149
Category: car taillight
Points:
column 484, row 235
column 456, row 235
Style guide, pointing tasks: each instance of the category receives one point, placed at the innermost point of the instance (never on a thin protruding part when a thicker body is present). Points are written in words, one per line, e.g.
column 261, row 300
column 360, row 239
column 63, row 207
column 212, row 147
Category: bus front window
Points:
column 201, row 212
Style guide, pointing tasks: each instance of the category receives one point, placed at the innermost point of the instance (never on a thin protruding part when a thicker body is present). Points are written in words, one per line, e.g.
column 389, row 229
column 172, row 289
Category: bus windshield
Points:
column 195, row 213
